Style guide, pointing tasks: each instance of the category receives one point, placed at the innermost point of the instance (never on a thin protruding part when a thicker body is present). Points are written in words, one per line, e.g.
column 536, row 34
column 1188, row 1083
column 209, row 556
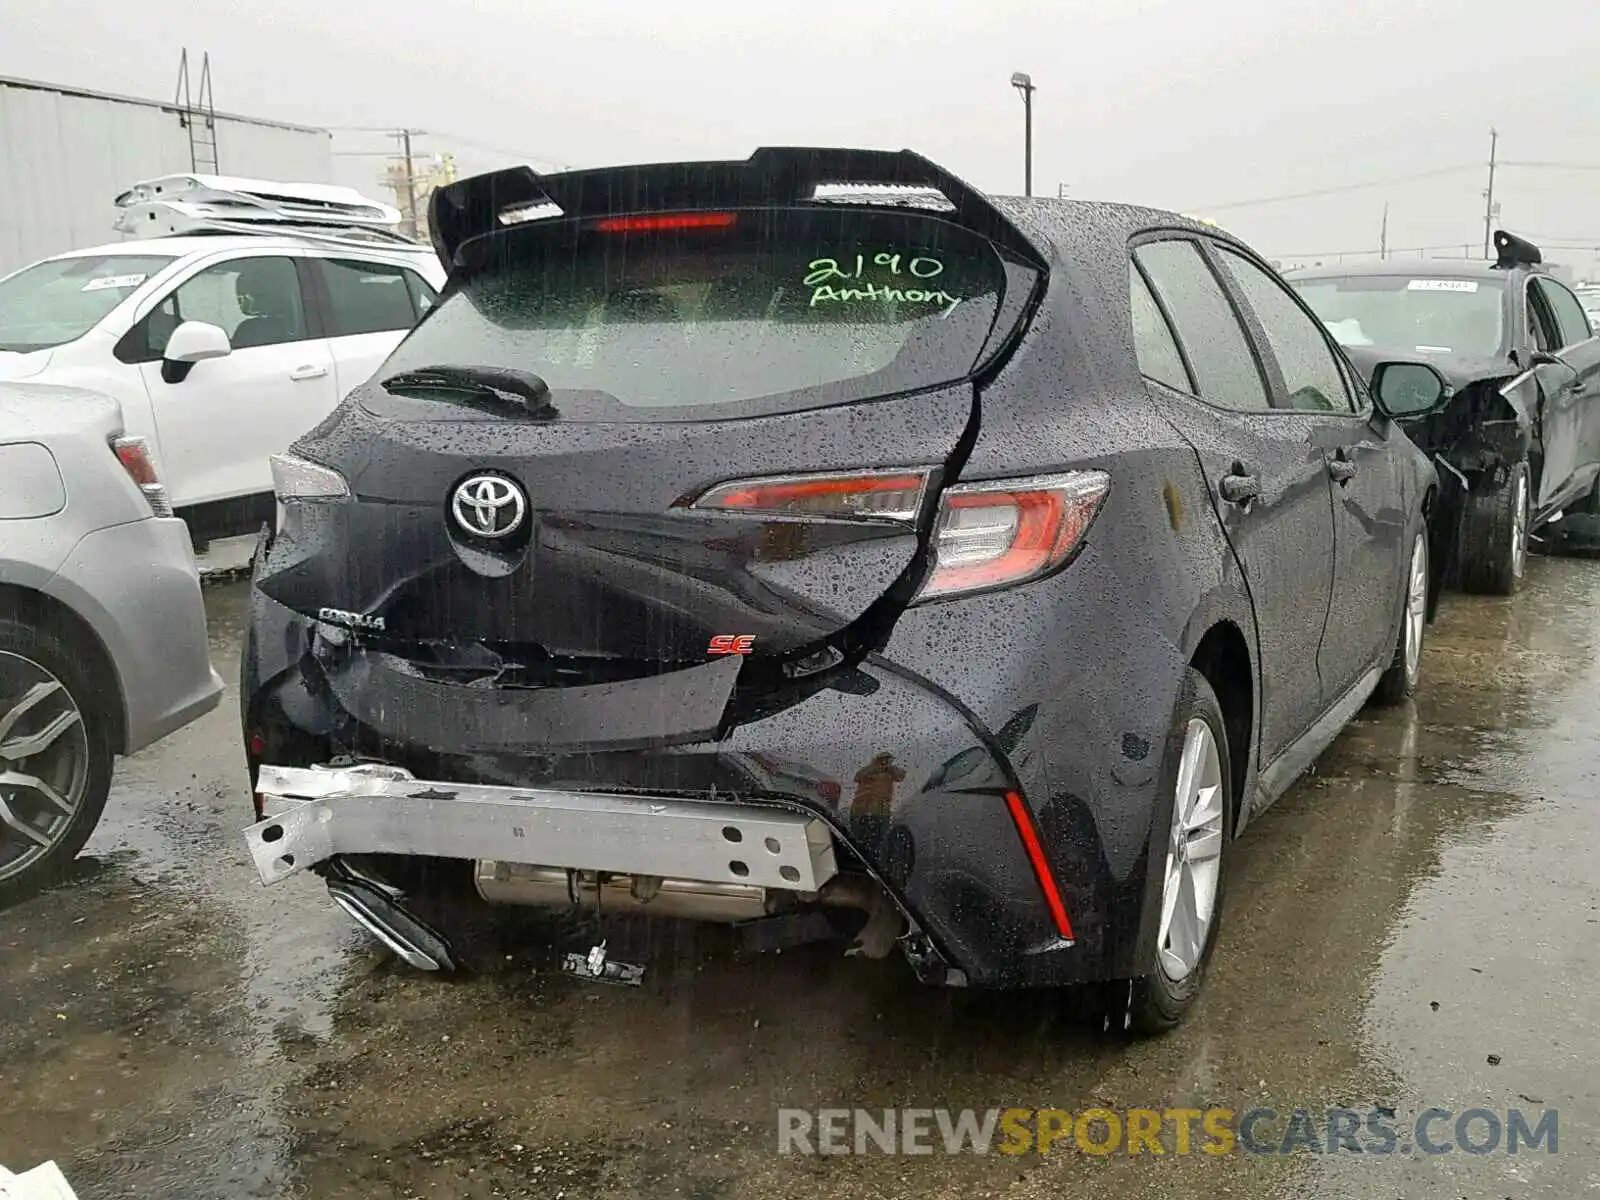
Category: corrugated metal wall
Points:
column 64, row 156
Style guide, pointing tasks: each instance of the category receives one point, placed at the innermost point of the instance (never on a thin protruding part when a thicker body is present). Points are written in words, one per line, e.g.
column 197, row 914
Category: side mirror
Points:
column 1407, row 389
column 196, row 341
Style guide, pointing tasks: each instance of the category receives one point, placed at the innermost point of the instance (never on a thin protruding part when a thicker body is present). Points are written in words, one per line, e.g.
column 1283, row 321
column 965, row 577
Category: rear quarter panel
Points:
column 1081, row 669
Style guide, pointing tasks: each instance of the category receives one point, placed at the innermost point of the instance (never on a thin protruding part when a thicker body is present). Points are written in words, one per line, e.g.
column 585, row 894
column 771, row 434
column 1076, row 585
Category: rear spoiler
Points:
column 462, row 212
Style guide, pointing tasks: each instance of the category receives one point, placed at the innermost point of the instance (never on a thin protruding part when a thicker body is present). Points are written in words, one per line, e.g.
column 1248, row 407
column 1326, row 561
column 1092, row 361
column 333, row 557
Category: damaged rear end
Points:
column 584, row 588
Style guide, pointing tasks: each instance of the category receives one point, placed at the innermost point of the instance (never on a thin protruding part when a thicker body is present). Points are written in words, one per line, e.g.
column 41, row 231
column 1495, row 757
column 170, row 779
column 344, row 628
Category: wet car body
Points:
column 999, row 759
column 1530, row 399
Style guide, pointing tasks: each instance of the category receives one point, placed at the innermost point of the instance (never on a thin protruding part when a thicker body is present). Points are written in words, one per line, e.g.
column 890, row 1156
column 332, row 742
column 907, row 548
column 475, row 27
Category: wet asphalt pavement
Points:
column 1426, row 900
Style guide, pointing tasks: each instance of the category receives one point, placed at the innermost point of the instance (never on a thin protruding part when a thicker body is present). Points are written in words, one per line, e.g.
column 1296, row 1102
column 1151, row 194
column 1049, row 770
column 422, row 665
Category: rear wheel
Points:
column 1494, row 536
column 1192, row 846
column 1400, row 680
column 55, row 757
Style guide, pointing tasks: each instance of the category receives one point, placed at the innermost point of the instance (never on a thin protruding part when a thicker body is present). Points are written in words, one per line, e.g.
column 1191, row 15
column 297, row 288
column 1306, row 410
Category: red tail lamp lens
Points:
column 1011, row 531
column 885, row 495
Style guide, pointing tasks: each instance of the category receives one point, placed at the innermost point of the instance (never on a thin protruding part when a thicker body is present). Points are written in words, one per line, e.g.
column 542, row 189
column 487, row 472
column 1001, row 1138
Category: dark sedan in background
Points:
column 1502, row 384
column 815, row 544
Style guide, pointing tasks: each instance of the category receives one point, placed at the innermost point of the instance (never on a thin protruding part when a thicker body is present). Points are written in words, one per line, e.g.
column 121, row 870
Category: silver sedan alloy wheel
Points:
column 44, row 762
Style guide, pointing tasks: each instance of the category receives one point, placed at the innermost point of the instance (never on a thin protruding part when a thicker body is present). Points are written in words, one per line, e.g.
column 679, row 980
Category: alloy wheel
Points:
column 44, row 762
column 1519, row 528
column 1194, row 855
column 1416, row 607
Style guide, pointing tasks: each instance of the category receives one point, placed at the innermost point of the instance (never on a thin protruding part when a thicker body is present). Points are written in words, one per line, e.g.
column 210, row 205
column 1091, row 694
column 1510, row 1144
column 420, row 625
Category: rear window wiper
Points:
column 506, row 385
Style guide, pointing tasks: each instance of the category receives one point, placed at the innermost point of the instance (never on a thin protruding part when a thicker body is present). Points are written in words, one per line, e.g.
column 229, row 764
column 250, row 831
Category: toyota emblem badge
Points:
column 489, row 506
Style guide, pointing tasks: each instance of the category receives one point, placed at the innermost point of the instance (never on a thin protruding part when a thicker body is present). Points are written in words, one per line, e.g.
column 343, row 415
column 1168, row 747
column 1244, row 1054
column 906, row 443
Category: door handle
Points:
column 1239, row 486
column 307, row 372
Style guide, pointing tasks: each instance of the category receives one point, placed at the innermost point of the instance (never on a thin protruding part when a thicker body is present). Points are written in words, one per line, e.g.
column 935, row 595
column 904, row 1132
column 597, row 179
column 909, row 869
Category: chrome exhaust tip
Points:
column 410, row 940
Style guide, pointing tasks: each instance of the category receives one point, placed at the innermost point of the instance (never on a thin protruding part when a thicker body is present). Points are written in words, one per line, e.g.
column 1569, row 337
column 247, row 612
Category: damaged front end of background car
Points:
column 1477, row 420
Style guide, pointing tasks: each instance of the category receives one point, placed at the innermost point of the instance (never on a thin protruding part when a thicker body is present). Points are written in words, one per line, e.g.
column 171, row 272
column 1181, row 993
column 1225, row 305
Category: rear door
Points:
column 1370, row 507
column 1268, row 477
column 1577, row 403
column 723, row 432
column 367, row 307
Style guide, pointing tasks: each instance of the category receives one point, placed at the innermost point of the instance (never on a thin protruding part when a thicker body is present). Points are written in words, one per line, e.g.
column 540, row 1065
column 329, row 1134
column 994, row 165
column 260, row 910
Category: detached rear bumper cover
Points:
column 313, row 814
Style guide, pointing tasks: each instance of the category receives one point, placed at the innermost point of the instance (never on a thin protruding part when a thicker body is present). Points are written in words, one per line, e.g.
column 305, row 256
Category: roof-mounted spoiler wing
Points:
column 1512, row 251
column 460, row 213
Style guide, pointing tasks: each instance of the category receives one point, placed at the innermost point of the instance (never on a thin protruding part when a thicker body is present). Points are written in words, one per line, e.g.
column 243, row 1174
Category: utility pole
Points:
column 1383, row 233
column 411, row 183
column 1061, row 191
column 1488, row 208
column 1024, row 85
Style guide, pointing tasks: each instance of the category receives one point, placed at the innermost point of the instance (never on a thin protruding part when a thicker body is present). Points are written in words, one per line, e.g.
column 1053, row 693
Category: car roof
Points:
column 1067, row 223
column 1418, row 268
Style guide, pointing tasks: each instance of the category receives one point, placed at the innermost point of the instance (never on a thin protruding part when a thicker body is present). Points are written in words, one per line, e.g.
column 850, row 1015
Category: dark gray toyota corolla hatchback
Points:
column 814, row 544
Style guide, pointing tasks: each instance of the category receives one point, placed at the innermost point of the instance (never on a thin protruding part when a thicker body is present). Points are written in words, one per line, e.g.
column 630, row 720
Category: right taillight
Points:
column 134, row 455
column 890, row 495
column 1009, row 531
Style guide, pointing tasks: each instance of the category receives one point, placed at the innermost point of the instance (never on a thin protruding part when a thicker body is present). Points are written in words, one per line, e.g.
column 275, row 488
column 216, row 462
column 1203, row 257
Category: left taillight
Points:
column 1009, row 531
column 134, row 455
column 296, row 479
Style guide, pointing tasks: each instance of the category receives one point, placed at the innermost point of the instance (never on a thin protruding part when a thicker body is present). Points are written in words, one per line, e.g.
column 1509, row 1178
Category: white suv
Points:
column 227, row 339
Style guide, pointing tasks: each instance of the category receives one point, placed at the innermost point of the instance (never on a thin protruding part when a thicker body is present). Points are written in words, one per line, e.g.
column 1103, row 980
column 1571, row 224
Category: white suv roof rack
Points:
column 174, row 205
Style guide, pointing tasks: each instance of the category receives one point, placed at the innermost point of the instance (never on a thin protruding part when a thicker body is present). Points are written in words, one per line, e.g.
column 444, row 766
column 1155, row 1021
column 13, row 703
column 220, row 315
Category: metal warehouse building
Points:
column 65, row 154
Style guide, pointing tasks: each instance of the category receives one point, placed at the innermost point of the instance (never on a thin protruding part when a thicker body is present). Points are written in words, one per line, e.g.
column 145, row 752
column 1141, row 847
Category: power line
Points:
column 525, row 155
column 1335, row 190
column 501, row 151
column 1374, row 251
column 1554, row 166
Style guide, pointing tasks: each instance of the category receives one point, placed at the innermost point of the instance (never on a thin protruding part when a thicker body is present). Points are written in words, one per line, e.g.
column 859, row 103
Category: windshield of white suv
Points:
column 58, row 301
column 1456, row 316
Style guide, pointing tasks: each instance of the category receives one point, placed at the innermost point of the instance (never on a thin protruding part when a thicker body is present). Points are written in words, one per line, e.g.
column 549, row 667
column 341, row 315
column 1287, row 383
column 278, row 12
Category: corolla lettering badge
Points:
column 352, row 620
column 489, row 506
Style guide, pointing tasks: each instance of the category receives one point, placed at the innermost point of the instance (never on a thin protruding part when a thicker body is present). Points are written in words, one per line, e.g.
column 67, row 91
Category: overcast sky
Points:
column 1195, row 106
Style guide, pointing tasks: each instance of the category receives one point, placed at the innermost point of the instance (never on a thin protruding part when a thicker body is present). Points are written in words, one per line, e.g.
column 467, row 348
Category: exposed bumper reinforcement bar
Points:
column 313, row 814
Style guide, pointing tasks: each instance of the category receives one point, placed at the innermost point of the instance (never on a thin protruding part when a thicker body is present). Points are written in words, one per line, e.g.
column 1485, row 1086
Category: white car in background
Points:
column 236, row 321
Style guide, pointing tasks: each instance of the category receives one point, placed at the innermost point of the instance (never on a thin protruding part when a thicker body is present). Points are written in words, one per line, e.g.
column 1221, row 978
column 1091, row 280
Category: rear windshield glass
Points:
column 58, row 301
column 780, row 310
column 1457, row 316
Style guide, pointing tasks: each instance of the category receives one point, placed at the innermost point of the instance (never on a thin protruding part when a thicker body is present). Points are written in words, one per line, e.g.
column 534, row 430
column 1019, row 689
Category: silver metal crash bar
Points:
column 313, row 814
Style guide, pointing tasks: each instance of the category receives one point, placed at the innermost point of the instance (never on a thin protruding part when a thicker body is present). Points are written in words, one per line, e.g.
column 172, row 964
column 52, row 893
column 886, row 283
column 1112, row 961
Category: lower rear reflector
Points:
column 1023, row 819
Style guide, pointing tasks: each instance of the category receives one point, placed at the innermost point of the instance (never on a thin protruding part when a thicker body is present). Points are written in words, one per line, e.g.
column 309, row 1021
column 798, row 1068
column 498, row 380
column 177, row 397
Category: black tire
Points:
column 53, row 650
column 1399, row 682
column 1493, row 551
column 1156, row 1002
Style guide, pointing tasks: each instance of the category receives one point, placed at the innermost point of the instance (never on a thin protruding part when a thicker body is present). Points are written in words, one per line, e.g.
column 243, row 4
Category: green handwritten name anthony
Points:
column 826, row 293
